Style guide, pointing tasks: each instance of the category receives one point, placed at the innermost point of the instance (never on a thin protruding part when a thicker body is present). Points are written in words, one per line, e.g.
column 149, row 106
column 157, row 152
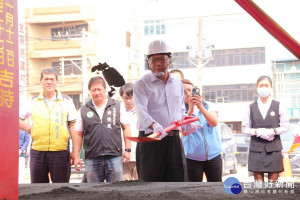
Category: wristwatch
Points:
column 128, row 150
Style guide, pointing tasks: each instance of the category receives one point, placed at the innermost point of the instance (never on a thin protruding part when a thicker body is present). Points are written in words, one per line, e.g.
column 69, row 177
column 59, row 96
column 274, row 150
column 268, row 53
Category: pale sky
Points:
column 284, row 12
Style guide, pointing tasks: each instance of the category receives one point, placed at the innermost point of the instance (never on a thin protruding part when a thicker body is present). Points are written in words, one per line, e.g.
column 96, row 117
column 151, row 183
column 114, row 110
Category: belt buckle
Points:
column 170, row 133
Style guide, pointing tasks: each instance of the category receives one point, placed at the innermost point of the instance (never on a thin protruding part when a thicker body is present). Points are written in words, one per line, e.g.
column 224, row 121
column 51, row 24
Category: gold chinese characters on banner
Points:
column 8, row 54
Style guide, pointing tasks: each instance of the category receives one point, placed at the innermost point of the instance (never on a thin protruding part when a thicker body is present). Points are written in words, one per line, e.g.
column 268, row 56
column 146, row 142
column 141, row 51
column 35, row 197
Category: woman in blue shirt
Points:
column 23, row 141
column 202, row 148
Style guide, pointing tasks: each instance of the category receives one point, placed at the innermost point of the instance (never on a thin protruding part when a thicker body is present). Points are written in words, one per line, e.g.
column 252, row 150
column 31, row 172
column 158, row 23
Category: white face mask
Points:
column 264, row 92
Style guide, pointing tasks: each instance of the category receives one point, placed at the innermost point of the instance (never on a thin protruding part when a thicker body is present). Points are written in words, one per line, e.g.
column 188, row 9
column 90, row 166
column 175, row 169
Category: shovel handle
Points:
column 154, row 135
column 185, row 120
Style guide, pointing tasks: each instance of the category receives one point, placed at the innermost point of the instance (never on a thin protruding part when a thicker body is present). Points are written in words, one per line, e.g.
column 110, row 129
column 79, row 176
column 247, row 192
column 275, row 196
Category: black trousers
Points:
column 161, row 161
column 212, row 169
column 57, row 163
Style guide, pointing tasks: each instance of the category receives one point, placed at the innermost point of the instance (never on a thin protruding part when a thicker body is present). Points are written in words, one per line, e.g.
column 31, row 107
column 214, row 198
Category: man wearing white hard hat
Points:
column 159, row 101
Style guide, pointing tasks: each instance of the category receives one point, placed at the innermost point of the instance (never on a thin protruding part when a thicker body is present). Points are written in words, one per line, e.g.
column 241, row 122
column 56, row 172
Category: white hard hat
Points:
column 158, row 47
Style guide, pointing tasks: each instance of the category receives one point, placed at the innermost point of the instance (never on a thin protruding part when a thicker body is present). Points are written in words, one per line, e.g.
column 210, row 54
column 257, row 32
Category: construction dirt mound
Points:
column 131, row 190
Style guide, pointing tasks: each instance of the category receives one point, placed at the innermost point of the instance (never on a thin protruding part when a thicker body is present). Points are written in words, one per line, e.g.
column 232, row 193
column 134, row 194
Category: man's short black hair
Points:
column 96, row 79
column 127, row 89
column 49, row 71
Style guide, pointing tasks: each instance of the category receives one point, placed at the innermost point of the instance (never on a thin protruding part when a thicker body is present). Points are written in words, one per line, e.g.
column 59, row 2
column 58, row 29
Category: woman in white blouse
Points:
column 264, row 121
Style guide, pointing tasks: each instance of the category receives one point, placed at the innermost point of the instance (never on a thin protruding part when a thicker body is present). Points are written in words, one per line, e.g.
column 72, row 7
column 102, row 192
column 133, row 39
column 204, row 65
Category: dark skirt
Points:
column 265, row 161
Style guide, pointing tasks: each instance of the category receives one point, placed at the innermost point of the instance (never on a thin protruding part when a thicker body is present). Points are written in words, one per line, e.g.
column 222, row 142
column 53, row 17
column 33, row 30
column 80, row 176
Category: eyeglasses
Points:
column 126, row 99
column 160, row 60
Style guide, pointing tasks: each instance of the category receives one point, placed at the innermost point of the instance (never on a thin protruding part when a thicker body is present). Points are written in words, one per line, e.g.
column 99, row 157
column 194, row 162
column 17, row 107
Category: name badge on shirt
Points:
column 90, row 114
column 272, row 113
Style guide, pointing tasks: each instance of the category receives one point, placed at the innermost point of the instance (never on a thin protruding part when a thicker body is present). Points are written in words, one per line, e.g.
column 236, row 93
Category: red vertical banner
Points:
column 271, row 26
column 9, row 99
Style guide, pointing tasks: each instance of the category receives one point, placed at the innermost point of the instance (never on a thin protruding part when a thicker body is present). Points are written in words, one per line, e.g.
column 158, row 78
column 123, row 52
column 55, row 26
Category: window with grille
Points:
column 180, row 60
column 230, row 93
column 231, row 57
column 70, row 67
column 74, row 31
column 154, row 27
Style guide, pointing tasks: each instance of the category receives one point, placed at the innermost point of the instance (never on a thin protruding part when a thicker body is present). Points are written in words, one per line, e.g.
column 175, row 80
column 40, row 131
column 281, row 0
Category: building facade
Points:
column 223, row 51
column 286, row 75
column 74, row 38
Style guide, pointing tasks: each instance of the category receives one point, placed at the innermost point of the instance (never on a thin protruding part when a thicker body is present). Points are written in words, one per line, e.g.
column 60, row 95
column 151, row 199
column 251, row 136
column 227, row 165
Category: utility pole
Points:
column 62, row 61
column 84, row 67
column 200, row 66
